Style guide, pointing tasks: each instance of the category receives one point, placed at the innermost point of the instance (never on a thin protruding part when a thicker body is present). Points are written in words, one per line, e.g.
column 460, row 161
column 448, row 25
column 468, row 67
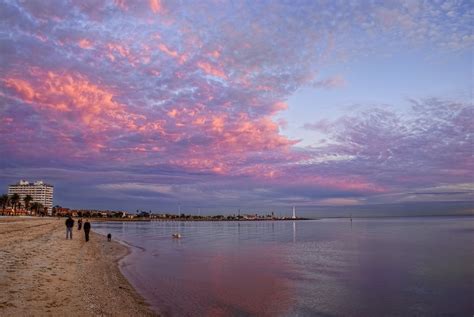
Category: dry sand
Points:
column 43, row 274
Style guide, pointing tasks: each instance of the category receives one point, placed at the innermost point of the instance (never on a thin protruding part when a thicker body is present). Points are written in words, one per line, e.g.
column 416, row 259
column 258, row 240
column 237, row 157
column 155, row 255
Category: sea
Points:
column 329, row 267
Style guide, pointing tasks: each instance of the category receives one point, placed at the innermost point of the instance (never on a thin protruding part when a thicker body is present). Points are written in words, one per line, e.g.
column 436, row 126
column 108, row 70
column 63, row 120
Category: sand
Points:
column 43, row 274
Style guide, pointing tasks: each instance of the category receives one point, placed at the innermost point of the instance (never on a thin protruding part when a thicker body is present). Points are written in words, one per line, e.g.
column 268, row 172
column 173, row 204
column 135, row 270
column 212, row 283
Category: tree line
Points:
column 16, row 203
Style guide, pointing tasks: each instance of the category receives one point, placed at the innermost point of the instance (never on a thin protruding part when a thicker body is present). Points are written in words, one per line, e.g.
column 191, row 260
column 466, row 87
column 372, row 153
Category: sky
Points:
column 335, row 107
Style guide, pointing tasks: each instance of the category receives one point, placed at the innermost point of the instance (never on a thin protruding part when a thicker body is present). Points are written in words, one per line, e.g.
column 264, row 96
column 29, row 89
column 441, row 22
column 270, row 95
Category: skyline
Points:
column 329, row 106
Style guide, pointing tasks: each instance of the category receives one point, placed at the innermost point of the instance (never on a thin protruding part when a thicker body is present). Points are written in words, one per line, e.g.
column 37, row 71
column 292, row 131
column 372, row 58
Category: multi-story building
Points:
column 40, row 192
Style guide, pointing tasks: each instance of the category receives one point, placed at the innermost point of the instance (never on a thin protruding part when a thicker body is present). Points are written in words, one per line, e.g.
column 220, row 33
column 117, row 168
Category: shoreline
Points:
column 192, row 220
column 45, row 274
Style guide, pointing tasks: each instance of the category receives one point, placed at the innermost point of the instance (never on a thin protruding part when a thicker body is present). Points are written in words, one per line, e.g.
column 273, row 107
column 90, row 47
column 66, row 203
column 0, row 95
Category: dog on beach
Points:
column 109, row 237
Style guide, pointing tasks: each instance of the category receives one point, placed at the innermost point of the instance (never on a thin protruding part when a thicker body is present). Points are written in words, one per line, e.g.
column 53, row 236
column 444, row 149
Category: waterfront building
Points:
column 40, row 192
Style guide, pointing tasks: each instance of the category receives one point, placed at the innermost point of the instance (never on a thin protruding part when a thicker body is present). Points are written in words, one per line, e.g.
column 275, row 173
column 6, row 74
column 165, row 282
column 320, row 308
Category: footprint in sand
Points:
column 7, row 304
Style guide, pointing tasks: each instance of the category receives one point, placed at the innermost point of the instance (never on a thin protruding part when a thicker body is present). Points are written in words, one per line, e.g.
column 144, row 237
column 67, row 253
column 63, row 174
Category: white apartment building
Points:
column 41, row 192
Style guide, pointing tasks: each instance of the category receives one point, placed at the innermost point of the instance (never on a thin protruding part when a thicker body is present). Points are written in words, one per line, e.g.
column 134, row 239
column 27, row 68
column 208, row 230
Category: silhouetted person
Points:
column 109, row 237
column 79, row 224
column 69, row 226
column 87, row 228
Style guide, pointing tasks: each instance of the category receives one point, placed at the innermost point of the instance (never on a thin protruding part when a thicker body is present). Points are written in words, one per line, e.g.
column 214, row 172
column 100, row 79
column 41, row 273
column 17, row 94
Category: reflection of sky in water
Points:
column 328, row 267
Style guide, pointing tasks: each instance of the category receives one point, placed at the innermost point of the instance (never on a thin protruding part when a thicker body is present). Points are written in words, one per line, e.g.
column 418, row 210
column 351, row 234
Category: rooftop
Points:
column 27, row 183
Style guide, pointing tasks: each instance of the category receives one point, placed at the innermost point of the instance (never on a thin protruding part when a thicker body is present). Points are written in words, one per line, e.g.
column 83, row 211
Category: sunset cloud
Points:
column 194, row 100
column 85, row 43
column 155, row 6
column 211, row 70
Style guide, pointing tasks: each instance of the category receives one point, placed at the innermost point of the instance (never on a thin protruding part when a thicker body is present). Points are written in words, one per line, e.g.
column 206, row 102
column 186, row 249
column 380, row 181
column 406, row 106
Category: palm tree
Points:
column 55, row 210
column 27, row 199
column 15, row 200
column 4, row 200
column 41, row 209
column 37, row 207
column 34, row 206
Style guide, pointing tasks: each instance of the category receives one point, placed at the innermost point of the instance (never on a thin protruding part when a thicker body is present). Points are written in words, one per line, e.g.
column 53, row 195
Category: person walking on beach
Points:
column 79, row 224
column 87, row 228
column 69, row 226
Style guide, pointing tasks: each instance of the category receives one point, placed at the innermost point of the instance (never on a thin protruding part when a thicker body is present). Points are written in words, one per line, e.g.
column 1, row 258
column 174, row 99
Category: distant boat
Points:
column 176, row 236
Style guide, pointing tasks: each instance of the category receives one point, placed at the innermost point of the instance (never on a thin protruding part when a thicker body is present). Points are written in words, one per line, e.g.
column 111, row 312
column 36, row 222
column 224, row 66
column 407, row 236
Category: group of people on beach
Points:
column 70, row 226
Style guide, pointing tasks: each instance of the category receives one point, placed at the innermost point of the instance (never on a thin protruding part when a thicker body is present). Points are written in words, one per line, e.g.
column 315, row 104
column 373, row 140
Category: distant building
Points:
column 40, row 192
column 61, row 211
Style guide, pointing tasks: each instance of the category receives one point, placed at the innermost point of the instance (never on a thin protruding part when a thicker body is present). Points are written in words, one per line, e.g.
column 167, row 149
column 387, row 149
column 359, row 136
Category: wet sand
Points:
column 43, row 274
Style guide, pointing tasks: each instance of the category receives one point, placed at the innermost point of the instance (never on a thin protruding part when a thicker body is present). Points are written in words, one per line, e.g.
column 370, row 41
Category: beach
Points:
column 43, row 274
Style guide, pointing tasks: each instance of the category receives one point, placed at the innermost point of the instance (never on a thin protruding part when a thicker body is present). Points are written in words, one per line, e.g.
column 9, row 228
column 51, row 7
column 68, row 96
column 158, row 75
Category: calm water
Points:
column 372, row 267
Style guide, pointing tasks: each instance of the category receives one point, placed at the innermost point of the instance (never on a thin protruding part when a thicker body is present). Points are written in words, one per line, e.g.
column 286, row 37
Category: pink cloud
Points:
column 215, row 54
column 122, row 4
column 279, row 106
column 21, row 87
column 340, row 202
column 77, row 103
column 119, row 48
column 94, row 111
column 155, row 6
column 143, row 100
column 165, row 49
column 85, row 43
column 211, row 70
column 217, row 123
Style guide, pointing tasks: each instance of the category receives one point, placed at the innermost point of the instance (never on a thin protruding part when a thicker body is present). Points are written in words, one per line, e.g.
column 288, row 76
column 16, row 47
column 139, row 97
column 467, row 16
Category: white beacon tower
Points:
column 294, row 213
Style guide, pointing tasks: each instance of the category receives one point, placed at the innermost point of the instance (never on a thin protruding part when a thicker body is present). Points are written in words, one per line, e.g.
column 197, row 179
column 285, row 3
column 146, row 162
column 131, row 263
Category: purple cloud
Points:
column 183, row 96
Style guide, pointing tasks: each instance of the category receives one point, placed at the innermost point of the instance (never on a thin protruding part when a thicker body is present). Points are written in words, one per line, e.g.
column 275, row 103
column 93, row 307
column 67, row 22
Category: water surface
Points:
column 332, row 267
